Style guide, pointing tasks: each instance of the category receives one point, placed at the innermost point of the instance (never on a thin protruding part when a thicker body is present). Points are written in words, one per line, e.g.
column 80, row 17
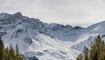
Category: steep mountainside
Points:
column 46, row 41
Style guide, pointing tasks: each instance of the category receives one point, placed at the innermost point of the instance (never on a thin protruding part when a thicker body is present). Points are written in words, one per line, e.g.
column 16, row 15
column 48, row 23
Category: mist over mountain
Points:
column 47, row 41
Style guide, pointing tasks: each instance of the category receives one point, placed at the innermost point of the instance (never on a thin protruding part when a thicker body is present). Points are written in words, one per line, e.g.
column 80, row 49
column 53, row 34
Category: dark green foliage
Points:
column 1, row 48
column 96, row 51
column 33, row 58
column 80, row 57
column 85, row 53
column 9, row 53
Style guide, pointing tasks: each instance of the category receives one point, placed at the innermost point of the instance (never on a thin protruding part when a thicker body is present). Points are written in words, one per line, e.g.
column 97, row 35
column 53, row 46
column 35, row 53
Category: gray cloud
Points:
column 74, row 12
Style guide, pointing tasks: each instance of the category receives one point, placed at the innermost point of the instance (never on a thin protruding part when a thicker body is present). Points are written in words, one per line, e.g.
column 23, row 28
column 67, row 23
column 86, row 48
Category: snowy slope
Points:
column 92, row 32
column 46, row 41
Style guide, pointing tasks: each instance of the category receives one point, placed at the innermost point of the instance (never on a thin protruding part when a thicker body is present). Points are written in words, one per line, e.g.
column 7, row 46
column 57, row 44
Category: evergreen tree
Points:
column 1, row 48
column 85, row 53
column 9, row 53
column 96, row 51
column 17, row 52
column 80, row 57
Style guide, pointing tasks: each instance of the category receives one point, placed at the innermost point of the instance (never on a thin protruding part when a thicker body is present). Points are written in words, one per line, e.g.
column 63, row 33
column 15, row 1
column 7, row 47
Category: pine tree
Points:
column 80, row 57
column 12, row 52
column 17, row 52
column 96, row 51
column 85, row 53
column 1, row 48
column 9, row 53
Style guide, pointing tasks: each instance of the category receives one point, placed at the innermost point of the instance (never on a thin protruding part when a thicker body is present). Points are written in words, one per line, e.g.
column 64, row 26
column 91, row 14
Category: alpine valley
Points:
column 47, row 41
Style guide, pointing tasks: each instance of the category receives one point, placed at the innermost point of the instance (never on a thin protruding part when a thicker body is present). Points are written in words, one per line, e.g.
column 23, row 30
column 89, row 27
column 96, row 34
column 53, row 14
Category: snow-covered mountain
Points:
column 47, row 41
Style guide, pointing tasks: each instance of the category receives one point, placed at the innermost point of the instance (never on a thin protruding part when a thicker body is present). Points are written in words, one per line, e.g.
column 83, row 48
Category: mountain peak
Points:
column 43, row 39
column 18, row 14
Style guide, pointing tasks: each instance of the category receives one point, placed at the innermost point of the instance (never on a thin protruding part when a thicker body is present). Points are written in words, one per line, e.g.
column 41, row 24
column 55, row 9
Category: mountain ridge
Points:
column 46, row 41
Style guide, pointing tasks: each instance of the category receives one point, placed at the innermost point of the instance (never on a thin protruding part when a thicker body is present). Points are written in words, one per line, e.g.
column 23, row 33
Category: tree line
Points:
column 95, row 52
column 9, row 53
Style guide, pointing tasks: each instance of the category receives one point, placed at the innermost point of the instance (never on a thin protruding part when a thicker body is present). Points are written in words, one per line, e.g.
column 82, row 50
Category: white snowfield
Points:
column 47, row 41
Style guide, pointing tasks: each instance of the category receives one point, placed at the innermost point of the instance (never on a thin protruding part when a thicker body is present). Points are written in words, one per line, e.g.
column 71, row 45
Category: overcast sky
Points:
column 73, row 12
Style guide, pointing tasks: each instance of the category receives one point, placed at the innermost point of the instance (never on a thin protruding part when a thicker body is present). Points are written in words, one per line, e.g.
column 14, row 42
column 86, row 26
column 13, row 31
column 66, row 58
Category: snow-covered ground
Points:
column 47, row 41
